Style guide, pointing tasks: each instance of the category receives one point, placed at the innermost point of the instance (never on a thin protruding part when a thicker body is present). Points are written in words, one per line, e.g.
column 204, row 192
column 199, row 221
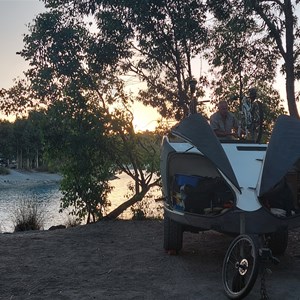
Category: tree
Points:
column 137, row 155
column 78, row 138
column 76, row 73
column 281, row 28
column 280, row 20
column 18, row 100
column 34, row 124
column 162, row 37
column 239, row 54
column 243, row 57
column 6, row 140
column 21, row 142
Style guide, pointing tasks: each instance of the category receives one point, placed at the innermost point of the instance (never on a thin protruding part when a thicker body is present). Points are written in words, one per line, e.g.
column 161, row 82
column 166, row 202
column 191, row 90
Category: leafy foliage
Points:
column 273, row 24
column 74, row 71
column 161, row 39
column 243, row 56
column 77, row 137
column 6, row 138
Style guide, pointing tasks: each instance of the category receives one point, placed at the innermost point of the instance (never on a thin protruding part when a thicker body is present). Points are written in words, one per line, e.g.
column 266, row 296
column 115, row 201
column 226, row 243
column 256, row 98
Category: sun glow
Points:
column 144, row 118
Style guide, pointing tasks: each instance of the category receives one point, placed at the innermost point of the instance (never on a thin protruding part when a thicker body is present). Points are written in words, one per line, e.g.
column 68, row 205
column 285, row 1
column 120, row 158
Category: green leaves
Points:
column 75, row 134
column 244, row 57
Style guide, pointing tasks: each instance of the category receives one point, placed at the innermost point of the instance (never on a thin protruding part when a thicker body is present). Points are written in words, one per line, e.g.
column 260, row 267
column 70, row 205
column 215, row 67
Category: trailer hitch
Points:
column 266, row 256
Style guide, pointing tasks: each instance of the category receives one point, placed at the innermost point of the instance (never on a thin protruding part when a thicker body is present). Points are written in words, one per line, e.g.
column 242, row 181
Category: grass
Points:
column 28, row 216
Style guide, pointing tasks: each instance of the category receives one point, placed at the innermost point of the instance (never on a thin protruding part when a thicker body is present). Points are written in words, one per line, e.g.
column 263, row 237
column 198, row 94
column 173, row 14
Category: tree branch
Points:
column 275, row 32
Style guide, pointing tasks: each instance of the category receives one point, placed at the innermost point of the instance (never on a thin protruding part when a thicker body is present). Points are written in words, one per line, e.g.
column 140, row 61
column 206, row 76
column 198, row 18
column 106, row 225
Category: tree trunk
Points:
column 121, row 208
column 37, row 159
column 288, row 52
column 289, row 60
column 290, row 91
column 20, row 160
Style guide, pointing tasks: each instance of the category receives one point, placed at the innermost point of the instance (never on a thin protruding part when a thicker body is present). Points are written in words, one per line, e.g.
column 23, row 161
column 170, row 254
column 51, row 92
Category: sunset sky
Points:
column 14, row 18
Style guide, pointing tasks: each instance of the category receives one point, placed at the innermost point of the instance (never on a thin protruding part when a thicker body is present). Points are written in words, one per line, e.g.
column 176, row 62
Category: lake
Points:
column 48, row 198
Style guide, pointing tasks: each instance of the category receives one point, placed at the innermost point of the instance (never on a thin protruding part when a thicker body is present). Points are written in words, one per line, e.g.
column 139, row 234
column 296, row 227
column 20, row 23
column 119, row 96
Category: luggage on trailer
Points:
column 202, row 195
column 280, row 200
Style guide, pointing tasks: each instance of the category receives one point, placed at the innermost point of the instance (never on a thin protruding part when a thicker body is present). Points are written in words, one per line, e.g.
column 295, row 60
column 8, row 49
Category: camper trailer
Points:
column 240, row 188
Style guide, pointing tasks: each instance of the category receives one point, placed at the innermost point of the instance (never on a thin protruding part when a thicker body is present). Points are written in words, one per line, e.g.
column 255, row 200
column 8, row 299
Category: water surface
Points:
column 48, row 198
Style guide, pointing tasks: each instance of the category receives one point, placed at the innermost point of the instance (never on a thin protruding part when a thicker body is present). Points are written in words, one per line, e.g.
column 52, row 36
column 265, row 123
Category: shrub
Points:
column 28, row 216
column 4, row 171
column 147, row 209
column 72, row 222
column 138, row 214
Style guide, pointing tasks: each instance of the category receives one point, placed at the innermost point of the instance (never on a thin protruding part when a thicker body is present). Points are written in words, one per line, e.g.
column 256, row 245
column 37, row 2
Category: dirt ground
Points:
column 126, row 260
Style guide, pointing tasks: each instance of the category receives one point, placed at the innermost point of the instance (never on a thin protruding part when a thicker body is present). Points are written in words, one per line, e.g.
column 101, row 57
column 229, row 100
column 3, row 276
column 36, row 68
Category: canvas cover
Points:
column 196, row 131
column 166, row 150
column 282, row 153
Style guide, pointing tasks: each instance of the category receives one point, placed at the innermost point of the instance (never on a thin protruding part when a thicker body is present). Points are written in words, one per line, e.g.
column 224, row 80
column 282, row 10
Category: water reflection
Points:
column 48, row 197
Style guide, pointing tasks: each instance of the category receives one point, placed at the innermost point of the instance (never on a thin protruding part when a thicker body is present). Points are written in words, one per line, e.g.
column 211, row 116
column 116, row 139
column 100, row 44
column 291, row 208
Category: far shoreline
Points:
column 19, row 177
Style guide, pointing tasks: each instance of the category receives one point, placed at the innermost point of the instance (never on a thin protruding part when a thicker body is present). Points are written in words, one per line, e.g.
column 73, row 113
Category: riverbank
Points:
column 126, row 260
column 22, row 178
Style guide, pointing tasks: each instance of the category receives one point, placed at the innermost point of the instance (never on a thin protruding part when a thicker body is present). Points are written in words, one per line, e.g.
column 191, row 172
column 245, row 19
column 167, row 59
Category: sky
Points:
column 15, row 15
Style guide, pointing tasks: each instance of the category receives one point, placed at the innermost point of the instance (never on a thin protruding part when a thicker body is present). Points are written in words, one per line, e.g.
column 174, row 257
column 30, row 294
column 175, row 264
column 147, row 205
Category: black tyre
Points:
column 173, row 233
column 278, row 241
column 240, row 266
column 256, row 126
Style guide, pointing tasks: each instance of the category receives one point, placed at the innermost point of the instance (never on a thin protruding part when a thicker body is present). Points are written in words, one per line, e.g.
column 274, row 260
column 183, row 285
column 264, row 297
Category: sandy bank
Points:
column 18, row 178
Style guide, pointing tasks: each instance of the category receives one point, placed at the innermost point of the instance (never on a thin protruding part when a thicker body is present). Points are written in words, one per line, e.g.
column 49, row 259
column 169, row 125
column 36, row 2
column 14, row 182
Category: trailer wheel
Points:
column 279, row 241
column 240, row 266
column 173, row 233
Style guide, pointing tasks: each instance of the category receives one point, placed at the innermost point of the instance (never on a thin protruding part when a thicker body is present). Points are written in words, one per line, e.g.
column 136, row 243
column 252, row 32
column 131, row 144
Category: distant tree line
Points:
column 87, row 151
column 22, row 142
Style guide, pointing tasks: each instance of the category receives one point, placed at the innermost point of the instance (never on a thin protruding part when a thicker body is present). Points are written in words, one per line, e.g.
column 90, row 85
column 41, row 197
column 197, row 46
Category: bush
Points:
column 4, row 171
column 28, row 216
column 72, row 222
column 138, row 214
column 147, row 209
